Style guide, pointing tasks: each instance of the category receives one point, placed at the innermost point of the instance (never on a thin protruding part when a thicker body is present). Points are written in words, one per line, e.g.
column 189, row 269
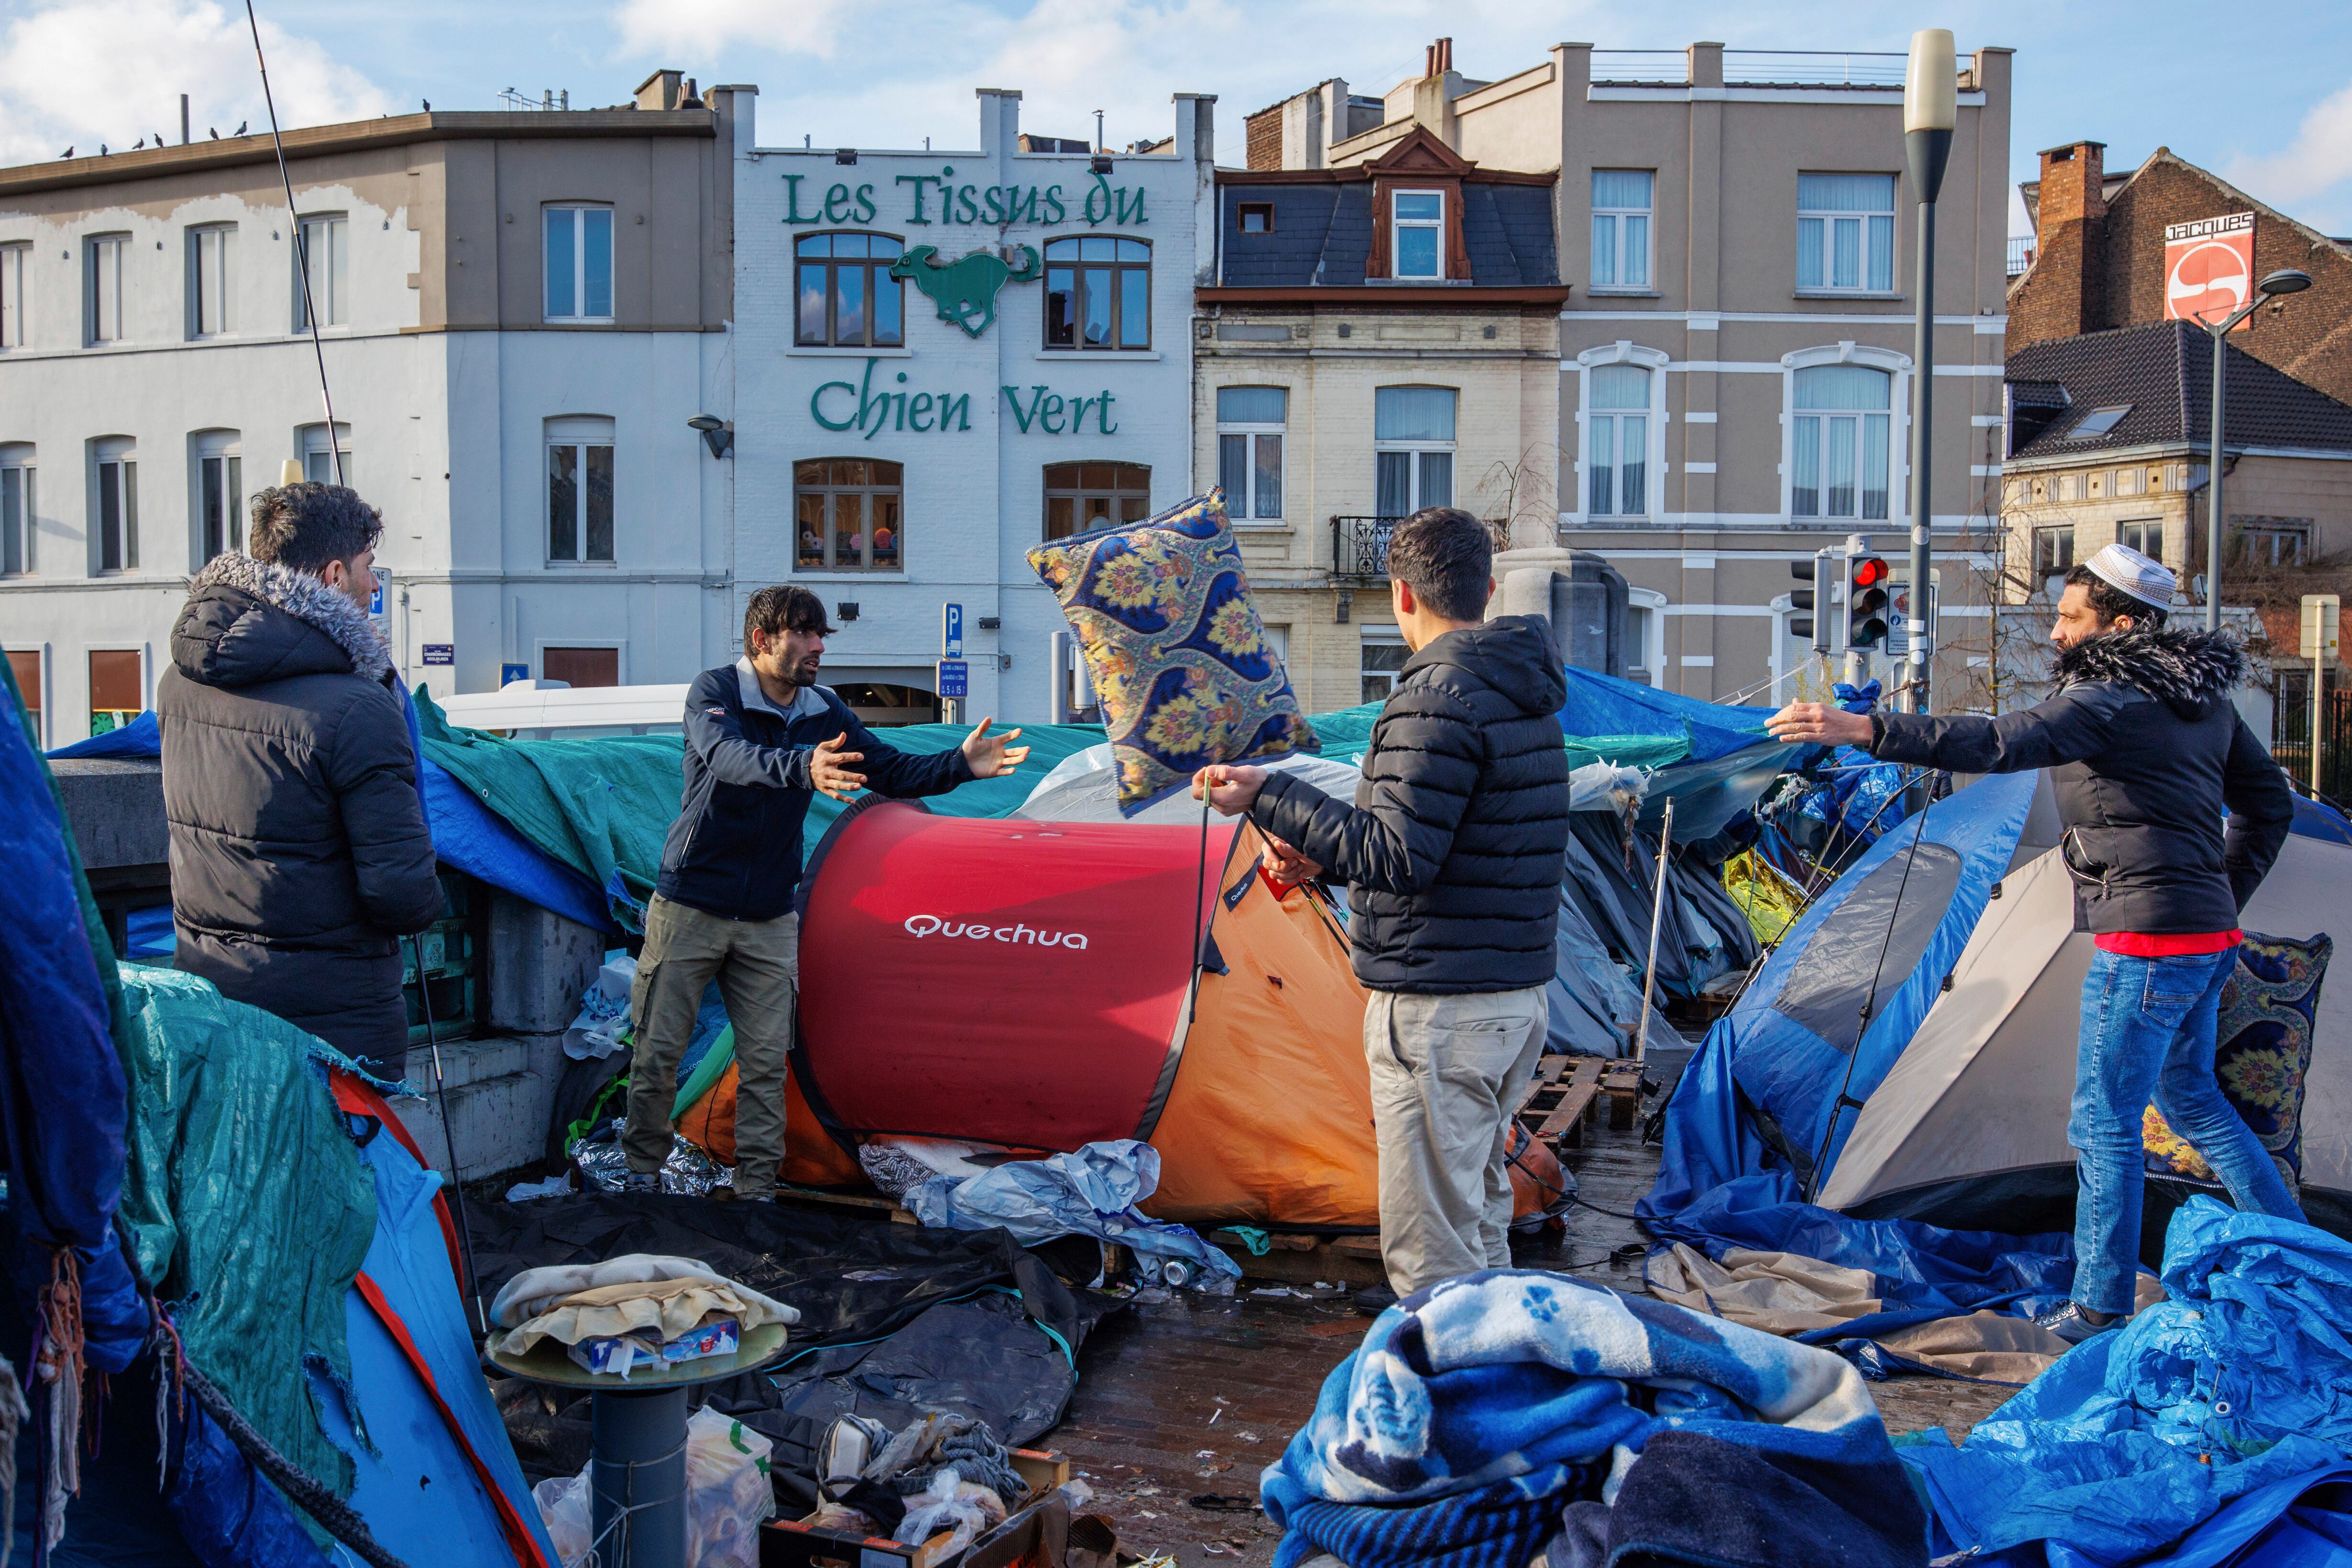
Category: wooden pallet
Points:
column 1559, row 1103
column 1621, row 1082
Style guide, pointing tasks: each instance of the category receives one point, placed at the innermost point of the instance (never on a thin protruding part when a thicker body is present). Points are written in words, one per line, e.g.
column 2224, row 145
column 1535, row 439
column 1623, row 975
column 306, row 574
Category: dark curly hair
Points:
column 2107, row 601
column 307, row 525
column 786, row 607
column 1447, row 558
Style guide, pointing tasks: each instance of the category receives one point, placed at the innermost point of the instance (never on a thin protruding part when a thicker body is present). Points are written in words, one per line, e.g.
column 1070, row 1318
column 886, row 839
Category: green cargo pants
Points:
column 757, row 964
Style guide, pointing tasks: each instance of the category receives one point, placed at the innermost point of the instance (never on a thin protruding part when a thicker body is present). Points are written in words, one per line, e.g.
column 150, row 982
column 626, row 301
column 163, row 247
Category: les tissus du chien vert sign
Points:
column 964, row 291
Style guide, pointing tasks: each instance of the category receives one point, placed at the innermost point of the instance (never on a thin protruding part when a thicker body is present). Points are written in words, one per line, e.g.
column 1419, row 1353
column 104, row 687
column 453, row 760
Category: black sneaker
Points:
column 1374, row 1299
column 2072, row 1323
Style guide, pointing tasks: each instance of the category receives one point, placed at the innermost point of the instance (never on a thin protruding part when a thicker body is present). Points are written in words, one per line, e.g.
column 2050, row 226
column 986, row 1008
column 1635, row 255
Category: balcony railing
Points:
column 1359, row 548
column 1754, row 68
column 2021, row 254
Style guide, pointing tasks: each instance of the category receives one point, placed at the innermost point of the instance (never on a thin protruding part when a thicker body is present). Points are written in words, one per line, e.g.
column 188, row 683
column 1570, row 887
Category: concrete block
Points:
column 539, row 962
column 116, row 810
column 501, row 1093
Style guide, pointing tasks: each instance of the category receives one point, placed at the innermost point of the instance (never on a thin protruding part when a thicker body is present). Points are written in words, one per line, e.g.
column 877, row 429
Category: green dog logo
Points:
column 965, row 290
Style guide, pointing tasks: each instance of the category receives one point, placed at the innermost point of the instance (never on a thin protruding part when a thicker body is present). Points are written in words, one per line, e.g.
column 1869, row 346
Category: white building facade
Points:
column 943, row 359
column 518, row 313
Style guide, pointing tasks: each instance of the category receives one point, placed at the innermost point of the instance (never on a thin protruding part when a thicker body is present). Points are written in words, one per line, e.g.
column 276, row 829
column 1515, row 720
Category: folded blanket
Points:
column 1510, row 1385
column 537, row 1291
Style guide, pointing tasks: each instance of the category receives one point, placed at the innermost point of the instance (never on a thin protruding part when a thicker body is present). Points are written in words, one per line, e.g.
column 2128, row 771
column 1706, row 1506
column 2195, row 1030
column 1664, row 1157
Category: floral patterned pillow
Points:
column 1163, row 612
column 2268, row 1008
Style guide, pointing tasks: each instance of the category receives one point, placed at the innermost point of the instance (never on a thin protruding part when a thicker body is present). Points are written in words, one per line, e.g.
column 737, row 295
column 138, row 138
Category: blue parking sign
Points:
column 954, row 678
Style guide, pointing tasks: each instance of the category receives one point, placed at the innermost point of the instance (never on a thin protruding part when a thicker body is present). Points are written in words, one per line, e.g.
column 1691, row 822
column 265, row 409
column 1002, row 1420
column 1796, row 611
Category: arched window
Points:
column 849, row 513
column 1097, row 294
column 318, row 463
column 1617, row 442
column 17, row 528
column 1838, row 442
column 1081, row 497
column 118, row 504
column 847, row 296
column 220, row 493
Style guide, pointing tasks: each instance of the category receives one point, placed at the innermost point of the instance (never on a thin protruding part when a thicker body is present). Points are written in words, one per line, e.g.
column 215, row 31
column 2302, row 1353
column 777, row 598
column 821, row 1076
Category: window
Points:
column 1250, row 421
column 318, row 463
column 24, row 664
column 1382, row 662
column 2143, row 534
column 102, row 288
column 2054, row 557
column 117, row 506
column 116, row 688
column 1417, row 234
column 211, row 252
column 18, row 529
column 847, row 296
column 580, row 667
column 1845, row 233
column 1413, row 441
column 2099, row 422
column 1081, row 497
column 11, row 294
column 1839, row 441
column 579, row 263
column 2274, row 540
column 1617, row 442
column 220, row 494
column 324, row 251
column 1620, row 228
column 1097, row 294
column 579, row 490
column 849, row 511
column 1258, row 217
column 1645, row 634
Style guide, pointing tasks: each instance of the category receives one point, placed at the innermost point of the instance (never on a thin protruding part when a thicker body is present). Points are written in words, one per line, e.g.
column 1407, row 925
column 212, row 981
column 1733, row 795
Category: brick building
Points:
column 2098, row 261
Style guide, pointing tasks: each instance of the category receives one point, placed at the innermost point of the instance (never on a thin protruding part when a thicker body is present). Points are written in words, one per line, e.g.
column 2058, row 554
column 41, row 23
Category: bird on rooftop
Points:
column 428, row 104
column 240, row 127
column 159, row 139
column 140, row 142
column 101, row 149
column 215, row 134
column 67, row 153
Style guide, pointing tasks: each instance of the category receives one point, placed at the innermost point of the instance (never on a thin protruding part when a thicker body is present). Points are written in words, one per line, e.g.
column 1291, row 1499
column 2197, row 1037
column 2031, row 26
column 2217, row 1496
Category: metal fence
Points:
column 1754, row 68
column 1359, row 548
column 2291, row 732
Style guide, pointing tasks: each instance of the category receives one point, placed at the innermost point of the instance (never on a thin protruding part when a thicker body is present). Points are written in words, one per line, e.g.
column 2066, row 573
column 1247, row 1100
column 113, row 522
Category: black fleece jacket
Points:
column 1453, row 852
column 2144, row 751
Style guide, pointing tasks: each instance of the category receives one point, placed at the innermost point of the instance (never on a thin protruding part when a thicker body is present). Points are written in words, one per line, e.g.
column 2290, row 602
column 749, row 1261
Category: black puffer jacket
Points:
column 2144, row 751
column 299, row 845
column 1454, row 853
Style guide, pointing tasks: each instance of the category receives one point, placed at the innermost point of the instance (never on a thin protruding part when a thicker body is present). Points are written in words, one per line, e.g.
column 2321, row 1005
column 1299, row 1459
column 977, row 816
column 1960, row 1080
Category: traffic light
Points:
column 1812, row 625
column 1865, row 602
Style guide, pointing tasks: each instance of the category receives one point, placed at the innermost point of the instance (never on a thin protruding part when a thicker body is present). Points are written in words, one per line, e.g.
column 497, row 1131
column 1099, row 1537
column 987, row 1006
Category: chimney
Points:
column 2070, row 261
column 660, row 90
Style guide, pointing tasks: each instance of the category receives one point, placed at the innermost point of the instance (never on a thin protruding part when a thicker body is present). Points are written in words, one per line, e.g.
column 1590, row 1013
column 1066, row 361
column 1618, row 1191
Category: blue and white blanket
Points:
column 1476, row 1409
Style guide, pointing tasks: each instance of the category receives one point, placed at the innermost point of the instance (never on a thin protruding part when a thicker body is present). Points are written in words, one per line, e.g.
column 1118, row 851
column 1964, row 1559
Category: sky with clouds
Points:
column 2264, row 98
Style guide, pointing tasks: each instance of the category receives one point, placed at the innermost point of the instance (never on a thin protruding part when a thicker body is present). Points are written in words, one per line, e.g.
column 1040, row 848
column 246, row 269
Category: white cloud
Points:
column 111, row 71
column 2318, row 159
column 699, row 29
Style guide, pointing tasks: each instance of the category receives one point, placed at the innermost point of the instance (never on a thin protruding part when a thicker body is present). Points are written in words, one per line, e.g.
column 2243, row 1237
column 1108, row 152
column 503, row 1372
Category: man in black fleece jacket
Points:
column 1453, row 856
column 2145, row 750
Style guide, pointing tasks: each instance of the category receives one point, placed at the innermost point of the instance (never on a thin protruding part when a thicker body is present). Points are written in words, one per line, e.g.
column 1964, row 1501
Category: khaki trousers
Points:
column 757, row 964
column 1447, row 1072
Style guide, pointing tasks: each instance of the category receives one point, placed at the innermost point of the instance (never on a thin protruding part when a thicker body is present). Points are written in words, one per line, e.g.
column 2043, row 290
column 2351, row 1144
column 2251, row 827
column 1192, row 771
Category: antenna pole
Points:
column 302, row 260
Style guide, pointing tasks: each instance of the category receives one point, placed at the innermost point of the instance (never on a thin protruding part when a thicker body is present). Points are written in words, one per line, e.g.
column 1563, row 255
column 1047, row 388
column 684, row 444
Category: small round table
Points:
column 636, row 1473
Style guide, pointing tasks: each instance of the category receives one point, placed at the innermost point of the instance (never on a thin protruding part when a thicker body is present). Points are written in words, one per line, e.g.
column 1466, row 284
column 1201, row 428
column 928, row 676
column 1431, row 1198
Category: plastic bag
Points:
column 950, row 1503
column 727, row 1495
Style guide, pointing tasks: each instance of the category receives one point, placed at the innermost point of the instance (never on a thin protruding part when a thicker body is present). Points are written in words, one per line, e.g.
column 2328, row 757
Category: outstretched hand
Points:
column 833, row 770
column 992, row 756
column 1820, row 722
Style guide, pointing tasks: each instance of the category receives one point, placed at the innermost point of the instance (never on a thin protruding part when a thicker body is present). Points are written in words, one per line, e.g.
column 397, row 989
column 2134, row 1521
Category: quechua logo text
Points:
column 932, row 925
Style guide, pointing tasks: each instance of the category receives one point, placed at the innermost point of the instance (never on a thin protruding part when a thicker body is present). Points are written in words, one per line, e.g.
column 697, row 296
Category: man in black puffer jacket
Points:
column 299, row 853
column 1453, row 856
column 2145, row 750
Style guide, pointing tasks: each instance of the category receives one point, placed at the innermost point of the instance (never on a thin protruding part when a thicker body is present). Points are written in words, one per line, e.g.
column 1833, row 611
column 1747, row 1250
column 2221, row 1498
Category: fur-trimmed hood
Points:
column 2183, row 669
column 249, row 621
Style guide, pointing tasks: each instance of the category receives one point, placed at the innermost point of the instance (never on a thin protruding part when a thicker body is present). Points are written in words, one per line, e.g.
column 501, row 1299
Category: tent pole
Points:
column 1657, row 915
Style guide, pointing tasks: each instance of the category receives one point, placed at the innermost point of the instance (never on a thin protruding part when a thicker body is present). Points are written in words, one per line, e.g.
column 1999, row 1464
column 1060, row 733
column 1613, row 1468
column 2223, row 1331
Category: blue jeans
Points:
column 2148, row 1032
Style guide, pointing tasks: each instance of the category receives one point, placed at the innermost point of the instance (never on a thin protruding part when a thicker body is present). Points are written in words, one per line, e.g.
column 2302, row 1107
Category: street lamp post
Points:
column 1930, row 110
column 2288, row 281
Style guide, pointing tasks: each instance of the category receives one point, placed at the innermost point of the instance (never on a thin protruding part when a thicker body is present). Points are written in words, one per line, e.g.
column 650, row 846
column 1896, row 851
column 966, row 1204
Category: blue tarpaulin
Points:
column 2214, row 1427
column 1603, row 705
column 1762, row 1113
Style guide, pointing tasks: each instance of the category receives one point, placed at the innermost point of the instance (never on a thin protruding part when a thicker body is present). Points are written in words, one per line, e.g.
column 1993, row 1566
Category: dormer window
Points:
column 1417, row 234
column 1258, row 217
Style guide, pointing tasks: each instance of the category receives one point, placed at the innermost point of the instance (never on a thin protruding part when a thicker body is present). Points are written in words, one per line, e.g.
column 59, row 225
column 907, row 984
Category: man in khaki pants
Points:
column 761, row 734
column 1453, row 856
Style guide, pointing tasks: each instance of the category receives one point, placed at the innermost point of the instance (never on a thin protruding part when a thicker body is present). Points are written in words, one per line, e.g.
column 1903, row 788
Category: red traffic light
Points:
column 1869, row 570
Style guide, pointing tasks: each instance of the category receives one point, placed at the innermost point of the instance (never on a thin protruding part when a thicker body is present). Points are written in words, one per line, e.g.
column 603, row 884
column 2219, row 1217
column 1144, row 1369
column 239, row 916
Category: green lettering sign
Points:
column 1004, row 206
column 792, row 203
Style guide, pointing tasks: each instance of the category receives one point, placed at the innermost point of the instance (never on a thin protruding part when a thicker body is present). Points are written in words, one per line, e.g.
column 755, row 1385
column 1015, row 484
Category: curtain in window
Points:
column 1621, row 386
column 1233, row 469
column 1265, row 476
column 1436, row 478
column 1838, row 386
column 1251, row 405
column 1620, row 228
column 1840, row 444
column 1412, row 414
column 1600, row 471
column 1393, row 483
column 1846, row 192
column 1618, row 442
